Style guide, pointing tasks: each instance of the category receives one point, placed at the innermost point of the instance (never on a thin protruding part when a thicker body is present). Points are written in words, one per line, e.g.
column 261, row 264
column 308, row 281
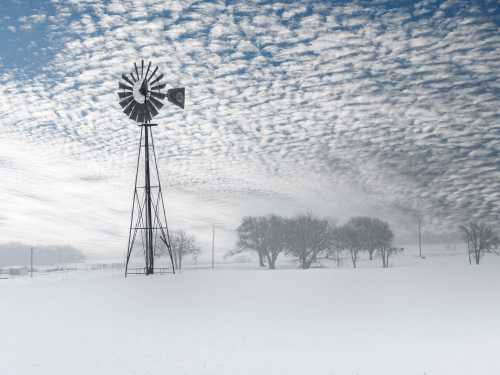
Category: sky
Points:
column 381, row 108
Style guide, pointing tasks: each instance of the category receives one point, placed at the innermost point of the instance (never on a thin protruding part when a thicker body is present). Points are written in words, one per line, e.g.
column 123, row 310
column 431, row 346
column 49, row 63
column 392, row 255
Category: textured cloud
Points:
column 335, row 107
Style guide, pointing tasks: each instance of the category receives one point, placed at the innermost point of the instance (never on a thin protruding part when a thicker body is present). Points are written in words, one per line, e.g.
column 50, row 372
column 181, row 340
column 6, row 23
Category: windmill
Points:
column 140, row 95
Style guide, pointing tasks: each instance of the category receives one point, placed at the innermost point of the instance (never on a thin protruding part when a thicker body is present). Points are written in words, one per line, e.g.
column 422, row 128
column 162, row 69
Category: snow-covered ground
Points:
column 433, row 316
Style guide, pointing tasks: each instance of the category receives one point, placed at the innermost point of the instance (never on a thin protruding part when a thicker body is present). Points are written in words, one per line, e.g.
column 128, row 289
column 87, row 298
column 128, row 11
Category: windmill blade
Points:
column 125, row 94
column 141, row 112
column 133, row 78
column 129, row 109
column 136, row 71
column 159, row 87
column 158, row 95
column 157, row 103
column 135, row 112
column 126, row 102
column 142, row 68
column 157, row 79
column 147, row 70
column 128, row 80
column 124, row 86
column 151, row 108
column 145, row 113
column 154, row 72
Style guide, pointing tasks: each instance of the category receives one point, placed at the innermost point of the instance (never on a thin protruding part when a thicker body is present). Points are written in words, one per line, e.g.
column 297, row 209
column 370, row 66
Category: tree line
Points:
column 308, row 239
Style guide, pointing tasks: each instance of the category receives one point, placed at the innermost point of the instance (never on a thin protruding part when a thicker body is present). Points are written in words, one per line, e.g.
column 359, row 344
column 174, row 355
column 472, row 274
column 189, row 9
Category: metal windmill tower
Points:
column 141, row 97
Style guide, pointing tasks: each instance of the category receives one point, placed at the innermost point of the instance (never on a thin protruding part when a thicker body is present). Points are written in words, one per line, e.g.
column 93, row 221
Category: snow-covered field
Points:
column 435, row 316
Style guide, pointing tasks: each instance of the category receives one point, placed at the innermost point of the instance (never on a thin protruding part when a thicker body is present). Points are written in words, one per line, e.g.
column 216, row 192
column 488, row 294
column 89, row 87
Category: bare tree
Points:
column 480, row 239
column 365, row 234
column 467, row 241
column 386, row 252
column 251, row 237
column 368, row 233
column 265, row 235
column 336, row 248
column 347, row 237
column 307, row 237
column 183, row 244
column 380, row 238
column 275, row 239
column 336, row 245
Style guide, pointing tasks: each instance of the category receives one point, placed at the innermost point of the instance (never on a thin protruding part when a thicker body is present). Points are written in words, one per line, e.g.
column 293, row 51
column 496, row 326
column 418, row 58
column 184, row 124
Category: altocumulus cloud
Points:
column 342, row 108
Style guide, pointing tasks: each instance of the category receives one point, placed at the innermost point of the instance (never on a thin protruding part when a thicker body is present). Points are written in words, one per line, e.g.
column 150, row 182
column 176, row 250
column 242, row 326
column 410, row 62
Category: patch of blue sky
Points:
column 24, row 31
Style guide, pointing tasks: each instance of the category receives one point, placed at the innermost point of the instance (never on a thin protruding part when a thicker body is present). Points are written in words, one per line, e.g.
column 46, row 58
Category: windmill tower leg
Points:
column 133, row 231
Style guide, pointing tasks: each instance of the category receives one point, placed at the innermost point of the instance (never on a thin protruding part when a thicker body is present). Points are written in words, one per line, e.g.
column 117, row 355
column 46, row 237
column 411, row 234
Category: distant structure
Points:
column 140, row 94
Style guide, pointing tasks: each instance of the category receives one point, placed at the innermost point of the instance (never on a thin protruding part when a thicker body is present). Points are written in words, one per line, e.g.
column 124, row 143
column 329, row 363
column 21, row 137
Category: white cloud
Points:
column 28, row 22
column 284, row 106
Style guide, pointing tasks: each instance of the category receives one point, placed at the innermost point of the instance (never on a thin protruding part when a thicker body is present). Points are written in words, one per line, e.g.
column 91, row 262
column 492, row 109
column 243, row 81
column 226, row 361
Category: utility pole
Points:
column 420, row 219
column 420, row 236
column 213, row 246
column 31, row 262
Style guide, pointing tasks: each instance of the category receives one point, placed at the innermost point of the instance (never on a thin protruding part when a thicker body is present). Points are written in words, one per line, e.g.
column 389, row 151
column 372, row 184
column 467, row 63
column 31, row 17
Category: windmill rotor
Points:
column 140, row 93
